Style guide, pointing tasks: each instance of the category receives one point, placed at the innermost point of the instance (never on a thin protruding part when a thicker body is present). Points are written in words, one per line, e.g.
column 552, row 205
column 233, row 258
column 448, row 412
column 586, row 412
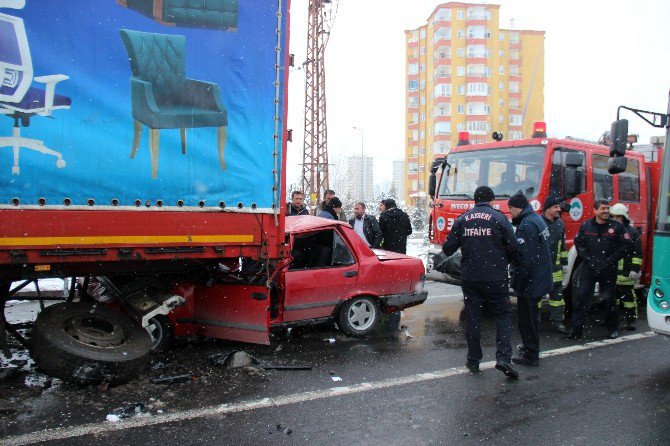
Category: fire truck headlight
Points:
column 664, row 305
column 659, row 293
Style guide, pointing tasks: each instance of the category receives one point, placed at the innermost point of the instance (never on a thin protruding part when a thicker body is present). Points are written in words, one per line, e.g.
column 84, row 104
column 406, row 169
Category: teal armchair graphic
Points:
column 163, row 98
column 209, row 14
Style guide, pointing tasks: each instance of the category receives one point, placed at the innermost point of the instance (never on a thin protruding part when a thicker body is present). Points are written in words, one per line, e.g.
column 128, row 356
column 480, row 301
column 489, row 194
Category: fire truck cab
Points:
column 576, row 171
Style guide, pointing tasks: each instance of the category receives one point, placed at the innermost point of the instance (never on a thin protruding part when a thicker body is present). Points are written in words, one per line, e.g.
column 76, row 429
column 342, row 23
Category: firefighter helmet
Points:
column 620, row 209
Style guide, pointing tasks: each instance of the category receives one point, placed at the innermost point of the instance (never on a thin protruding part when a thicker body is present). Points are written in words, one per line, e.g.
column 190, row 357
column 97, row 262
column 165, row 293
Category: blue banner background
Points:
column 81, row 40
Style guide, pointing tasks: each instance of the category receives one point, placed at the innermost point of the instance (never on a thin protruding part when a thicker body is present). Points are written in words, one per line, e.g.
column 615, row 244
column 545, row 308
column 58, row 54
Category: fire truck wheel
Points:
column 161, row 331
column 359, row 316
column 87, row 343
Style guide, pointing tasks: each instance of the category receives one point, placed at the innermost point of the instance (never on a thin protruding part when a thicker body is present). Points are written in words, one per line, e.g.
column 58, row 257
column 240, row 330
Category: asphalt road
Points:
column 395, row 389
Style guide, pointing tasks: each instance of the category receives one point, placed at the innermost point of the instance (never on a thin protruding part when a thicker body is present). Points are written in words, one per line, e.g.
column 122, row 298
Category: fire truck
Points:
column 574, row 170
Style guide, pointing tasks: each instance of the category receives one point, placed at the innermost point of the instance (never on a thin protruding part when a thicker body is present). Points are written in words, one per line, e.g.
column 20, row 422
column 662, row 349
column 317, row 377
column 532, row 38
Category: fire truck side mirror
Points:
column 572, row 181
column 617, row 165
column 619, row 137
column 432, row 184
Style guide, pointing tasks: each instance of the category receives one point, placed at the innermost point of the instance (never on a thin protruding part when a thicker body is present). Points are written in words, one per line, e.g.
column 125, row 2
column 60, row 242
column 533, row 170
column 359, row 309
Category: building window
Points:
column 461, row 52
column 423, row 134
column 515, row 120
column 515, row 134
column 501, row 102
column 423, row 67
column 413, row 85
column 422, row 117
column 460, row 71
column 444, row 14
column 501, row 53
column 415, row 135
column 415, row 118
column 423, row 100
column 421, row 167
column 413, row 167
column 422, row 33
column 422, row 51
column 460, row 14
column 501, row 37
column 478, row 127
column 501, row 119
column 442, row 90
column 413, row 68
column 461, row 89
column 460, row 127
column 442, row 128
column 422, row 85
column 460, row 109
column 501, row 69
column 513, row 87
column 478, row 89
column 501, row 86
column 460, row 33
column 421, row 185
column 422, row 151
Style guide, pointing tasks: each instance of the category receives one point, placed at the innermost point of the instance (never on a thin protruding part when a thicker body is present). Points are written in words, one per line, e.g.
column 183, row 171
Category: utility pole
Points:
column 315, row 149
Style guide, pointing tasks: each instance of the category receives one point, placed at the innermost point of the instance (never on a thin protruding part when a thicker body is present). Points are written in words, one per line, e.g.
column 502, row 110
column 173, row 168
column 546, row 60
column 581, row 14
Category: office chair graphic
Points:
column 18, row 99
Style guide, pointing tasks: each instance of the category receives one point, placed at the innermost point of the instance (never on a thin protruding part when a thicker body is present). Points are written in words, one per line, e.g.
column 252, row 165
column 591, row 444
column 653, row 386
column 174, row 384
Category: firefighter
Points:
column 551, row 214
column 629, row 267
column 488, row 245
column 531, row 274
column 600, row 244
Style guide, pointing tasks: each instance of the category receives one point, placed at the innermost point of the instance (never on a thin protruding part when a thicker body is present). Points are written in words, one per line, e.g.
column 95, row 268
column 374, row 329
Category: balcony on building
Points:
column 441, row 36
column 442, row 118
column 442, row 136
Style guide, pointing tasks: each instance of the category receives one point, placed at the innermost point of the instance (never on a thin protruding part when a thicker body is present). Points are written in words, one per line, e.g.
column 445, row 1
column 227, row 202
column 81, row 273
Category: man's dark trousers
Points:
column 585, row 286
column 528, row 316
column 495, row 295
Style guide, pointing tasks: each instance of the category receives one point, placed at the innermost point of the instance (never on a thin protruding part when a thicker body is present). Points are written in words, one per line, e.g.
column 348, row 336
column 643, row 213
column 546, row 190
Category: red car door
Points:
column 323, row 273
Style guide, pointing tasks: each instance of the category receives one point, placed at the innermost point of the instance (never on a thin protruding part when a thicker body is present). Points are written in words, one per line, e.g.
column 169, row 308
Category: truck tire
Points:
column 359, row 316
column 161, row 332
column 87, row 343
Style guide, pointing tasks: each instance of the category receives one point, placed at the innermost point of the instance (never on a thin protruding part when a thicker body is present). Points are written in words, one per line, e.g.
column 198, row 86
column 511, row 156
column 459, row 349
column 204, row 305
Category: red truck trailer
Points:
column 163, row 164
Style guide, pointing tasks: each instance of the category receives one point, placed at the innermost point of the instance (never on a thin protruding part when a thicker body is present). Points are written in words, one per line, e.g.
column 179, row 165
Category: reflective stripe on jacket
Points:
column 633, row 259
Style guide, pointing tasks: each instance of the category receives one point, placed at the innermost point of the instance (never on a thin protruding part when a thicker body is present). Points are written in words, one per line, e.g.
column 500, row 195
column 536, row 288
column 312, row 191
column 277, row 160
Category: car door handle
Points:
column 350, row 273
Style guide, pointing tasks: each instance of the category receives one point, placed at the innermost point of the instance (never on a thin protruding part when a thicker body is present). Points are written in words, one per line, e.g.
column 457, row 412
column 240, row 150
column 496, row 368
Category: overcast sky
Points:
column 598, row 55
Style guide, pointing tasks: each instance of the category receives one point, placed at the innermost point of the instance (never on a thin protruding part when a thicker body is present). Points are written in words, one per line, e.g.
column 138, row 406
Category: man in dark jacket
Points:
column 488, row 245
column 551, row 214
column 600, row 244
column 531, row 274
column 328, row 195
column 331, row 210
column 366, row 226
column 296, row 207
column 629, row 267
column 395, row 226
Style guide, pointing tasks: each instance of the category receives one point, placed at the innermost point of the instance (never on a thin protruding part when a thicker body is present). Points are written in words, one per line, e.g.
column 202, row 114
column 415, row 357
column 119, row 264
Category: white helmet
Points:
column 620, row 209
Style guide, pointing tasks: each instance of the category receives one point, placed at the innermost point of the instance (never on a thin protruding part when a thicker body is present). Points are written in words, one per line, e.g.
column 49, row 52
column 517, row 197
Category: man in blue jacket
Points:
column 488, row 245
column 531, row 274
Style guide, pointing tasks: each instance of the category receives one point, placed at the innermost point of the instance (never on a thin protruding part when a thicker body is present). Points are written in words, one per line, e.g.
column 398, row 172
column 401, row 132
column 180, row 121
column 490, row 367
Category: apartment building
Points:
column 466, row 74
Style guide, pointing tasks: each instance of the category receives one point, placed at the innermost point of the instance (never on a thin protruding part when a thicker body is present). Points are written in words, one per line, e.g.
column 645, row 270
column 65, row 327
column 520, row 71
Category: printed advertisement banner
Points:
column 136, row 103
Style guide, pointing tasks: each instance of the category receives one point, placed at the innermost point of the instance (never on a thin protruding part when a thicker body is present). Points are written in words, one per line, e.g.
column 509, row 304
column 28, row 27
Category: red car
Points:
column 333, row 274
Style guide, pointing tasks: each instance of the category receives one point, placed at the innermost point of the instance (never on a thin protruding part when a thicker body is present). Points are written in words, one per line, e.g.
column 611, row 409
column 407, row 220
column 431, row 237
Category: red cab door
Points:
column 323, row 273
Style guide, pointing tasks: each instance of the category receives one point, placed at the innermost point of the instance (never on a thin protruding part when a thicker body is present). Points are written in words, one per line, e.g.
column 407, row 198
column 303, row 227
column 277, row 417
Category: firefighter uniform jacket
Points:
column 559, row 252
column 487, row 243
column 532, row 270
column 601, row 246
column 633, row 259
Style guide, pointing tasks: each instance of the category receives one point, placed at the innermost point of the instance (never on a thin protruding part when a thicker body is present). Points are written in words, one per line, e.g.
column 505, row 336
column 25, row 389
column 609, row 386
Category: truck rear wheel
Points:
column 359, row 316
column 88, row 342
column 161, row 332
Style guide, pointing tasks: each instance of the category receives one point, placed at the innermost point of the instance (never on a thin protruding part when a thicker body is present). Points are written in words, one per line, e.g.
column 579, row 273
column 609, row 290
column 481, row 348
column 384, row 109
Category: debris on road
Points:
column 172, row 379
column 334, row 377
column 126, row 412
column 285, row 430
column 329, row 340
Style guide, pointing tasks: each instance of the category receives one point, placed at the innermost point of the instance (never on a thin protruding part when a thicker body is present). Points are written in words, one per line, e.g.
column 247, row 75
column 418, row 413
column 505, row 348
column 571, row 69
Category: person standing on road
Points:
column 296, row 207
column 328, row 195
column 395, row 226
column 331, row 210
column 531, row 274
column 488, row 245
column 628, row 267
column 551, row 214
column 600, row 243
column 366, row 226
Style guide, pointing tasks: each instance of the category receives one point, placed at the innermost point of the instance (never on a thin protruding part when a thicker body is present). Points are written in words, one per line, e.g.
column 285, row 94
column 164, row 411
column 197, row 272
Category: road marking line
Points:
column 283, row 400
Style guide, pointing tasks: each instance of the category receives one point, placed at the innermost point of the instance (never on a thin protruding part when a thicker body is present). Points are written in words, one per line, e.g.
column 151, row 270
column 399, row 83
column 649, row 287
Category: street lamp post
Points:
column 362, row 198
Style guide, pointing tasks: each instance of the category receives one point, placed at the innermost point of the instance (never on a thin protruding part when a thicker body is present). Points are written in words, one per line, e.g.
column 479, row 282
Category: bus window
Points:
column 629, row 182
column 602, row 180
